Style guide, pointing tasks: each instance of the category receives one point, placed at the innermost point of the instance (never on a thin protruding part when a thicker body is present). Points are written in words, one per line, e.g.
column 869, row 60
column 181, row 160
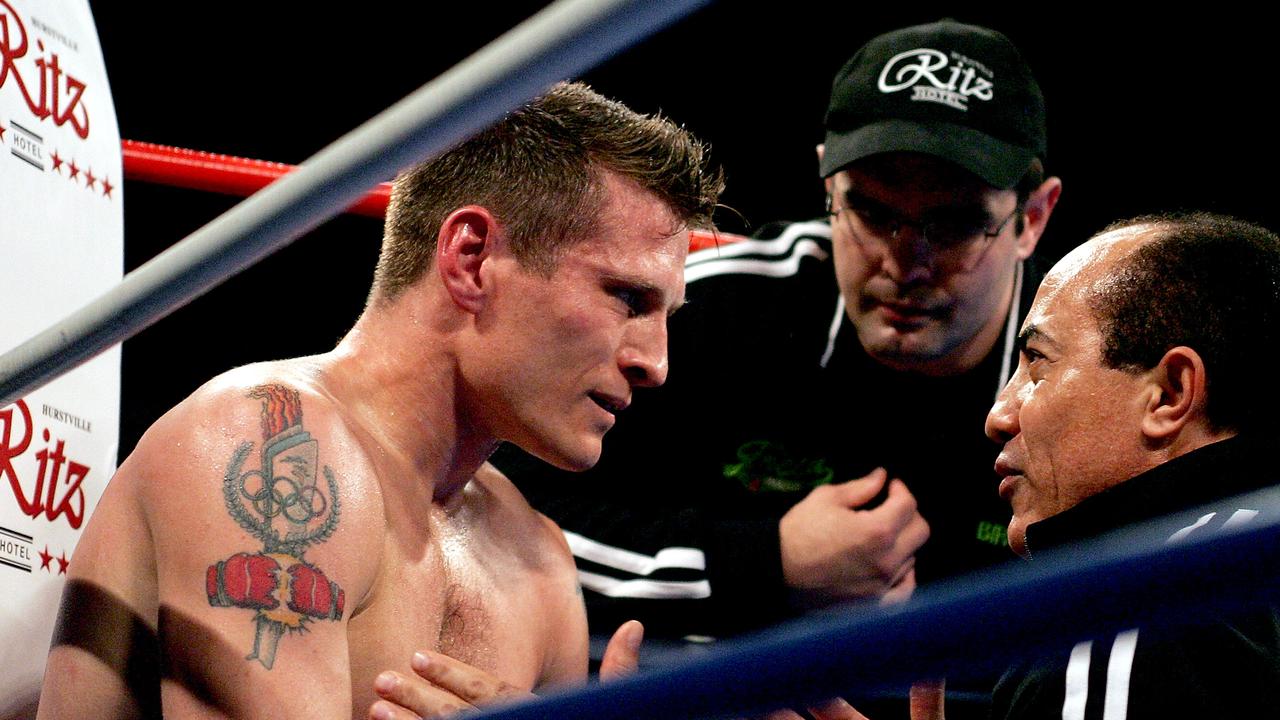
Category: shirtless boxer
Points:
column 294, row 528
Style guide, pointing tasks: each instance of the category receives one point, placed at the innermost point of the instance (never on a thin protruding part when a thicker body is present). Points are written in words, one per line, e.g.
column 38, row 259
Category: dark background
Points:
column 1147, row 112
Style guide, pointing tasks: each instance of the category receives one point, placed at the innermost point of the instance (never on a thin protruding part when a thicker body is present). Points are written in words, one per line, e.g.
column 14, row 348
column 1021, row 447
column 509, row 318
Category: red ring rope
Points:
column 231, row 175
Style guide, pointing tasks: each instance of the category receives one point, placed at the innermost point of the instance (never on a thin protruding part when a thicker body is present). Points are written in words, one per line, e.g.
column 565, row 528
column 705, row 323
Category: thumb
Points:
column 622, row 655
column 856, row 493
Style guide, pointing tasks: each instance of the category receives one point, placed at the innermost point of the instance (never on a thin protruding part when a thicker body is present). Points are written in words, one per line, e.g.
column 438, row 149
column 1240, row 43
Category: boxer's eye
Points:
column 636, row 301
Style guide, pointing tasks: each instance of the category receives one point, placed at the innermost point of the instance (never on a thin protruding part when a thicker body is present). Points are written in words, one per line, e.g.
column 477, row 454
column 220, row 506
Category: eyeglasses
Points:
column 955, row 245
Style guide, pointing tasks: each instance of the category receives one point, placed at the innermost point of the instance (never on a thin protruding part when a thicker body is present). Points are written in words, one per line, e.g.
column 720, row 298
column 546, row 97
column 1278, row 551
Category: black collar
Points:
column 1219, row 470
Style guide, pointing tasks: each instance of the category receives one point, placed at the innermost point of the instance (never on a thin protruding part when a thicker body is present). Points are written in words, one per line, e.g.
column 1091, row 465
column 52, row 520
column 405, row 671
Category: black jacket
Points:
column 1222, row 668
column 678, row 524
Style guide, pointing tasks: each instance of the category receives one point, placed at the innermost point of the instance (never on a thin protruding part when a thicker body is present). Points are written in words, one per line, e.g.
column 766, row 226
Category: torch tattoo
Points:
column 281, row 504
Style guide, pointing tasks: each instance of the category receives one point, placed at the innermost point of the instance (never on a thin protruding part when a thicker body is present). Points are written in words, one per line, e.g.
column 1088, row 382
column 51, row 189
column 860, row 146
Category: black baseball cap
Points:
column 959, row 92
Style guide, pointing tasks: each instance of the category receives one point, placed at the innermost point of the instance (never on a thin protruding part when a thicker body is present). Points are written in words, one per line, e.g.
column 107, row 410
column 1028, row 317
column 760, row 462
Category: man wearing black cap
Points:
column 868, row 345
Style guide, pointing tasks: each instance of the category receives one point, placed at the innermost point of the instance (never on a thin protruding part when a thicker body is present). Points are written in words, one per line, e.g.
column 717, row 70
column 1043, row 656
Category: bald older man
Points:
column 1136, row 396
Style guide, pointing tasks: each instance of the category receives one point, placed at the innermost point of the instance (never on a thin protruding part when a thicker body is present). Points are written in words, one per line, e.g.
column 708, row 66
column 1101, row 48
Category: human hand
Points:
column 927, row 699
column 926, row 704
column 901, row 591
column 622, row 654
column 836, row 709
column 445, row 686
column 442, row 686
column 832, row 550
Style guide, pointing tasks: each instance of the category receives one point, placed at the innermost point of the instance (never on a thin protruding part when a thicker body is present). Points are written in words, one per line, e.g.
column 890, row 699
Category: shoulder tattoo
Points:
column 281, row 503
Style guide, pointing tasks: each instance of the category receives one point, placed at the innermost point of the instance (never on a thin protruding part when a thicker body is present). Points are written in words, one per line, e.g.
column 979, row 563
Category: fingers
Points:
column 471, row 684
column 622, row 655
column 408, row 698
column 899, row 512
column 928, row 700
column 443, row 686
column 901, row 590
column 896, row 531
column 384, row 710
column 833, row 550
column 856, row 493
column 836, row 709
column 899, row 505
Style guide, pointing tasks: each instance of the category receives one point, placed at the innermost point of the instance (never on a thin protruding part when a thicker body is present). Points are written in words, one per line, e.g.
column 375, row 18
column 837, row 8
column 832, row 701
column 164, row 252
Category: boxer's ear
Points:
column 467, row 239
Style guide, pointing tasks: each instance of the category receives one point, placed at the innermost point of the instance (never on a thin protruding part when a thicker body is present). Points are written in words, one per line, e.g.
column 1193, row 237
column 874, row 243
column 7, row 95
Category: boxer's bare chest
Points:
column 455, row 594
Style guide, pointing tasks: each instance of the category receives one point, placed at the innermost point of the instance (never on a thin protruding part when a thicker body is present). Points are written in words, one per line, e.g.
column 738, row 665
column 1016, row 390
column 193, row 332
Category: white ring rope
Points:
column 563, row 39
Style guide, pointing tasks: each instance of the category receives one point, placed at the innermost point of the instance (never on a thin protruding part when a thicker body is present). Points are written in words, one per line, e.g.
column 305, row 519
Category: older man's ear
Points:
column 1176, row 397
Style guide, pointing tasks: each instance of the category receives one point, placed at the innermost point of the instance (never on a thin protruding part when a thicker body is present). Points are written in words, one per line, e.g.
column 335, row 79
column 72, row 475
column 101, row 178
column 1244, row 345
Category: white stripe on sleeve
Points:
column 1077, row 682
column 1119, row 667
column 1238, row 518
column 773, row 267
column 755, row 246
column 645, row 589
column 1184, row 532
column 685, row 558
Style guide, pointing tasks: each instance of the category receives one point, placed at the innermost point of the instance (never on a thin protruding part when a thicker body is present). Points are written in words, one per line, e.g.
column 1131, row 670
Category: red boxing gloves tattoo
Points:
column 252, row 581
column 243, row 580
column 311, row 593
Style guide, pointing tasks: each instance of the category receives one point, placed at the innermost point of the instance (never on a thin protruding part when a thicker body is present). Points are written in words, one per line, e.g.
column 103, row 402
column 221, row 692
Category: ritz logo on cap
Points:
column 924, row 69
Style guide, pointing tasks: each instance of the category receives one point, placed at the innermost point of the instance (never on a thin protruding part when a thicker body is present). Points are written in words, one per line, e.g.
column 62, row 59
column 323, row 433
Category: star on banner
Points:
column 75, row 170
column 89, row 179
column 45, row 558
column 107, row 187
column 63, row 562
column 57, row 161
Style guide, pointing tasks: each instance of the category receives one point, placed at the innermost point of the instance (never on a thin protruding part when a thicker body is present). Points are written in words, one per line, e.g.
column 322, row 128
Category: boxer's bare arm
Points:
column 231, row 539
column 442, row 686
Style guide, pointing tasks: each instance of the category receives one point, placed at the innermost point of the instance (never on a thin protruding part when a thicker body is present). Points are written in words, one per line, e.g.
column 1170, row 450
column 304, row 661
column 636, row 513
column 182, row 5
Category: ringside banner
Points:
column 61, row 245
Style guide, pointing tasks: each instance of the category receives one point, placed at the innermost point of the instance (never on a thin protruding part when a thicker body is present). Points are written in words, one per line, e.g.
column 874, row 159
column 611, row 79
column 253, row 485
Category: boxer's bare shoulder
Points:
column 236, row 541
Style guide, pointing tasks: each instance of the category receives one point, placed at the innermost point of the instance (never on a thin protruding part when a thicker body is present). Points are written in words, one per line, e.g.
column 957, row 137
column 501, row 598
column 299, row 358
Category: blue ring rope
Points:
column 976, row 624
